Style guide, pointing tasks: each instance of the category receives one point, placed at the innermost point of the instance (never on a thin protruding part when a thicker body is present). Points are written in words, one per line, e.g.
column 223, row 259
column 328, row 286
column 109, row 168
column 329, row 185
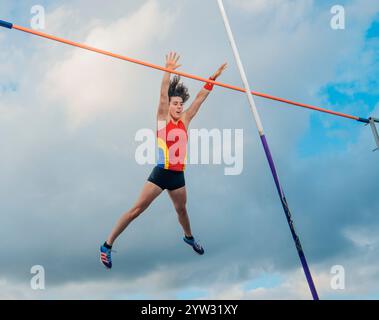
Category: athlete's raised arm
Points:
column 202, row 95
column 171, row 63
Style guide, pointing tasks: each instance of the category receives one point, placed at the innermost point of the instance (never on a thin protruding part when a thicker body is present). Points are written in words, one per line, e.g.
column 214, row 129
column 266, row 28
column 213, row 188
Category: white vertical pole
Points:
column 241, row 69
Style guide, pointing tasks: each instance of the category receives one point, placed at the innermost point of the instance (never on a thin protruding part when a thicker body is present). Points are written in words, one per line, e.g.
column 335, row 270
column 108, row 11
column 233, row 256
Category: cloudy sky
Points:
column 68, row 120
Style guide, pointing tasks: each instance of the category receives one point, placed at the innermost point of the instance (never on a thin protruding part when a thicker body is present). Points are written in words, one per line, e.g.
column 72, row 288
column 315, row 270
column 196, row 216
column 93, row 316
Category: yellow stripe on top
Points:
column 163, row 147
column 185, row 163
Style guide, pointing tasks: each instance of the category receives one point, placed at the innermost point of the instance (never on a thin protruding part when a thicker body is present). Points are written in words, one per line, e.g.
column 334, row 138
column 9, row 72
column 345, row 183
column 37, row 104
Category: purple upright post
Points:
column 289, row 219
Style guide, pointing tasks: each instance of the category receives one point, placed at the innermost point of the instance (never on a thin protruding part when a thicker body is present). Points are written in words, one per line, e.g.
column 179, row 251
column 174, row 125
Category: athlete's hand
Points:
column 219, row 71
column 172, row 60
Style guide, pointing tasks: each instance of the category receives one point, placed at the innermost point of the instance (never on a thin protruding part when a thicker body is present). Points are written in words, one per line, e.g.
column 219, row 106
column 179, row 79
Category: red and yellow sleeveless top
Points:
column 172, row 146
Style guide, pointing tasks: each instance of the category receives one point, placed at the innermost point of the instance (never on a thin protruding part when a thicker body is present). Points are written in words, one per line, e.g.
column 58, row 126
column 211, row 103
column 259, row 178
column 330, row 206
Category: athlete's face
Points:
column 176, row 107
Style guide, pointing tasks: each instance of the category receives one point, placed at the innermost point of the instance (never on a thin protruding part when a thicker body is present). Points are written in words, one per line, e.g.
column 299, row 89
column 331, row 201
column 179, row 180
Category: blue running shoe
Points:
column 195, row 245
column 106, row 257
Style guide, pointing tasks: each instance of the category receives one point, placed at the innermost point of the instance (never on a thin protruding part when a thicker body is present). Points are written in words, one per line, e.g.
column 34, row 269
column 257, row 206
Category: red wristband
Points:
column 209, row 86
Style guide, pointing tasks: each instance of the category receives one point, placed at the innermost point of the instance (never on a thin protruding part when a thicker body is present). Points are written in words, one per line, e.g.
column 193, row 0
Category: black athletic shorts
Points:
column 167, row 179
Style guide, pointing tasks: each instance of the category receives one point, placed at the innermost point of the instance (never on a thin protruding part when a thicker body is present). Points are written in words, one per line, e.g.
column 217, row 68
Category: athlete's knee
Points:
column 181, row 209
column 139, row 208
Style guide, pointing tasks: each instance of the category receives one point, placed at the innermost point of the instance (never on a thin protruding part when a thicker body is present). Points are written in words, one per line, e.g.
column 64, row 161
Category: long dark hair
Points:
column 177, row 89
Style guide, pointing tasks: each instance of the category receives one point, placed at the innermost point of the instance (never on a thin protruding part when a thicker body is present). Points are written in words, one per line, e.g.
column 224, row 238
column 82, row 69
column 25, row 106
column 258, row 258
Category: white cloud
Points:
column 361, row 280
column 276, row 13
column 156, row 285
column 90, row 84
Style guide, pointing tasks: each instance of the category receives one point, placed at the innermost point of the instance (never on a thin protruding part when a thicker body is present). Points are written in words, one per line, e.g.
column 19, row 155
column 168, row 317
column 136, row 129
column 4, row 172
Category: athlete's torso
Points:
column 172, row 146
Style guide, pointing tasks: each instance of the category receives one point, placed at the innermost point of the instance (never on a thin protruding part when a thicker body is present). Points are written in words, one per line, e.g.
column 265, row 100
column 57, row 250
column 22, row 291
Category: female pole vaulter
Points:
column 173, row 122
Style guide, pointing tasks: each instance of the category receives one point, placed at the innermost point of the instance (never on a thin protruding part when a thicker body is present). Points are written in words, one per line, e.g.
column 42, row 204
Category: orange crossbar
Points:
column 186, row 75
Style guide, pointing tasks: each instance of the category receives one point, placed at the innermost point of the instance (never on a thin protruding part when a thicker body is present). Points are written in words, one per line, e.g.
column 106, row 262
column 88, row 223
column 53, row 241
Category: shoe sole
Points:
column 107, row 268
column 200, row 254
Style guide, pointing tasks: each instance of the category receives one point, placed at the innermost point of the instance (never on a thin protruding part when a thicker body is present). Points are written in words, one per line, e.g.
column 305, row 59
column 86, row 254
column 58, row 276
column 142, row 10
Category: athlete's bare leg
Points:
column 179, row 199
column 149, row 192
